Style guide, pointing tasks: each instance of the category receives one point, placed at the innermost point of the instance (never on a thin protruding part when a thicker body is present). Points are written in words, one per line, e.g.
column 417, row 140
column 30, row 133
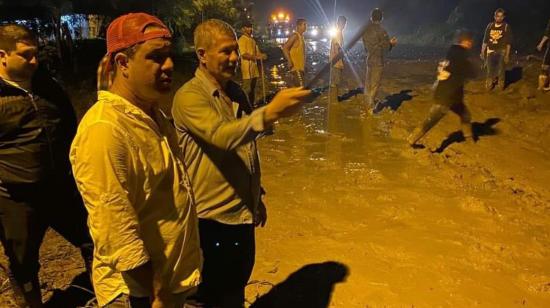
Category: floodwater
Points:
column 359, row 219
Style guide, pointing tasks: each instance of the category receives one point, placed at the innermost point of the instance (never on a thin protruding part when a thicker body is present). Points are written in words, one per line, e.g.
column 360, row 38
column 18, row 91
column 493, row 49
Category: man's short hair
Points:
column 11, row 34
column 207, row 31
column 300, row 21
column 464, row 35
column 500, row 10
column 376, row 14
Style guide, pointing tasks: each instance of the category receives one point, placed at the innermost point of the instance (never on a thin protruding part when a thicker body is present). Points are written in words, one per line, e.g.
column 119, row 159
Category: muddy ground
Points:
column 359, row 219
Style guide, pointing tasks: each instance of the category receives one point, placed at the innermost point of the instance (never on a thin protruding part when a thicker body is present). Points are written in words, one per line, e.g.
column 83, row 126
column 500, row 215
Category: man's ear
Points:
column 3, row 56
column 201, row 54
column 121, row 63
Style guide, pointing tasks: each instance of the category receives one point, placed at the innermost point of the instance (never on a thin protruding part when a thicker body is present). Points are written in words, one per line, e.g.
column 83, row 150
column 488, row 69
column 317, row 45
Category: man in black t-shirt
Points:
column 543, row 77
column 449, row 89
column 495, row 50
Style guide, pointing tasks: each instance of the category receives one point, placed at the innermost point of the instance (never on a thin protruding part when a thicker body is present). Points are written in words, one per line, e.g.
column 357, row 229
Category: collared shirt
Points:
column 249, row 68
column 219, row 149
column 336, row 44
column 138, row 198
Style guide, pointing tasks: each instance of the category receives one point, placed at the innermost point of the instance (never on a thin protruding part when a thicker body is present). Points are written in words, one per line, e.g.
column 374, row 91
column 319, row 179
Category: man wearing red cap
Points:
column 127, row 167
column 221, row 156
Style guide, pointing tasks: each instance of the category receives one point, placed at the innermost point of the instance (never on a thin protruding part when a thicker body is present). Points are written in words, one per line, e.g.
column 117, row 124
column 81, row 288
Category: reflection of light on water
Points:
column 276, row 78
column 314, row 63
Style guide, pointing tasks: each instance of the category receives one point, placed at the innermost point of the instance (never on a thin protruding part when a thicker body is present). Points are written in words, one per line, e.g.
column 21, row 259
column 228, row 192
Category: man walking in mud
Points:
column 220, row 153
column 37, row 189
column 495, row 50
column 377, row 43
column 545, row 69
column 250, row 55
column 294, row 51
column 126, row 163
column 337, row 70
column 449, row 91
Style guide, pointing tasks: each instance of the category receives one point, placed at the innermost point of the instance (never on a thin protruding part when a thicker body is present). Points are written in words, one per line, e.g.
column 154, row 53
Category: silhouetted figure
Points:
column 449, row 91
column 309, row 287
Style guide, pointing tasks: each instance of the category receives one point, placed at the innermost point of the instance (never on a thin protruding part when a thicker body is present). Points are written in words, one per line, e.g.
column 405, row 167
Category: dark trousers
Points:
column 229, row 252
column 437, row 112
column 496, row 69
column 249, row 88
column 372, row 82
column 26, row 212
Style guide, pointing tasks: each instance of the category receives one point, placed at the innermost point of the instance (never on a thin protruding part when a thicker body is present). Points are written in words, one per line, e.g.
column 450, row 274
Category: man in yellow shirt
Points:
column 250, row 55
column 294, row 51
column 125, row 159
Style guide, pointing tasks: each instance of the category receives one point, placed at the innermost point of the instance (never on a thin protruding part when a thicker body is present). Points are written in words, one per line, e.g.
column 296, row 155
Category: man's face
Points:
column 342, row 24
column 499, row 17
column 149, row 71
column 302, row 28
column 468, row 44
column 20, row 64
column 247, row 30
column 221, row 58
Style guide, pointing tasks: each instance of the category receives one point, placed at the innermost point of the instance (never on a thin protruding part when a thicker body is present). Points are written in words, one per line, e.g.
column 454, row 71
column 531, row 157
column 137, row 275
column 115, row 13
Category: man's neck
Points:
column 498, row 24
column 23, row 84
column 220, row 84
column 124, row 92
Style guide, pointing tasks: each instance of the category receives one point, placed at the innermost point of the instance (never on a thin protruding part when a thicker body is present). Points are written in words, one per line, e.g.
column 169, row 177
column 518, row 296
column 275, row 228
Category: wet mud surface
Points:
column 357, row 218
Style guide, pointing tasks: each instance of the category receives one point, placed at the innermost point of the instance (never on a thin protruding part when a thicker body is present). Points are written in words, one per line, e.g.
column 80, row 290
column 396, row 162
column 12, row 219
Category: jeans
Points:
column 496, row 69
column 229, row 252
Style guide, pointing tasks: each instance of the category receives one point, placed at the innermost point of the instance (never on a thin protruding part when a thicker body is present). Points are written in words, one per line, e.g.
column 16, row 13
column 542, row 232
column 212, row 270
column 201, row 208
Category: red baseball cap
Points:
column 127, row 30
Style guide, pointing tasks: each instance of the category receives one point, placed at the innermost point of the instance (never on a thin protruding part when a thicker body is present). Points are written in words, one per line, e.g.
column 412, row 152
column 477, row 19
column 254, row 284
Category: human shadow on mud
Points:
column 478, row 129
column 309, row 287
column 394, row 101
column 79, row 292
column 351, row 93
column 512, row 76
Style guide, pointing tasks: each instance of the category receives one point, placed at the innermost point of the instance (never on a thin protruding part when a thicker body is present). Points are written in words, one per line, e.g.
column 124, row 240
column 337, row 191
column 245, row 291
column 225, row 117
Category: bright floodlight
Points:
column 314, row 32
column 332, row 32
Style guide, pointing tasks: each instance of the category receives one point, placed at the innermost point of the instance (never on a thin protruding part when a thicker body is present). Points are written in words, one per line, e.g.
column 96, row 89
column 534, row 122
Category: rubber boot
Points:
column 542, row 82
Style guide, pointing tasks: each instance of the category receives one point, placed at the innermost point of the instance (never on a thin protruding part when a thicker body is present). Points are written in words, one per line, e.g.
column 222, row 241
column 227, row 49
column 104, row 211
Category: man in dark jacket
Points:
column 495, row 50
column 37, row 190
column 449, row 91
column 377, row 43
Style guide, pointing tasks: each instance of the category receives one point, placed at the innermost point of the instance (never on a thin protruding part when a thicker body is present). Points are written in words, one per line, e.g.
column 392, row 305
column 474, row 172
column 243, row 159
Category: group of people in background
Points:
column 164, row 207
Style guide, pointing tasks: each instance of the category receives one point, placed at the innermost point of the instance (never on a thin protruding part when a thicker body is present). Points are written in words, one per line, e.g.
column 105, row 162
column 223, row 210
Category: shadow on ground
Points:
column 309, row 287
column 514, row 75
column 394, row 101
column 350, row 94
column 479, row 129
column 77, row 294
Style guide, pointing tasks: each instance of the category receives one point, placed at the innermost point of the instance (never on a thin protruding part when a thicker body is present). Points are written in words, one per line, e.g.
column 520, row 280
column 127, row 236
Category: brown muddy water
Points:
column 359, row 219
